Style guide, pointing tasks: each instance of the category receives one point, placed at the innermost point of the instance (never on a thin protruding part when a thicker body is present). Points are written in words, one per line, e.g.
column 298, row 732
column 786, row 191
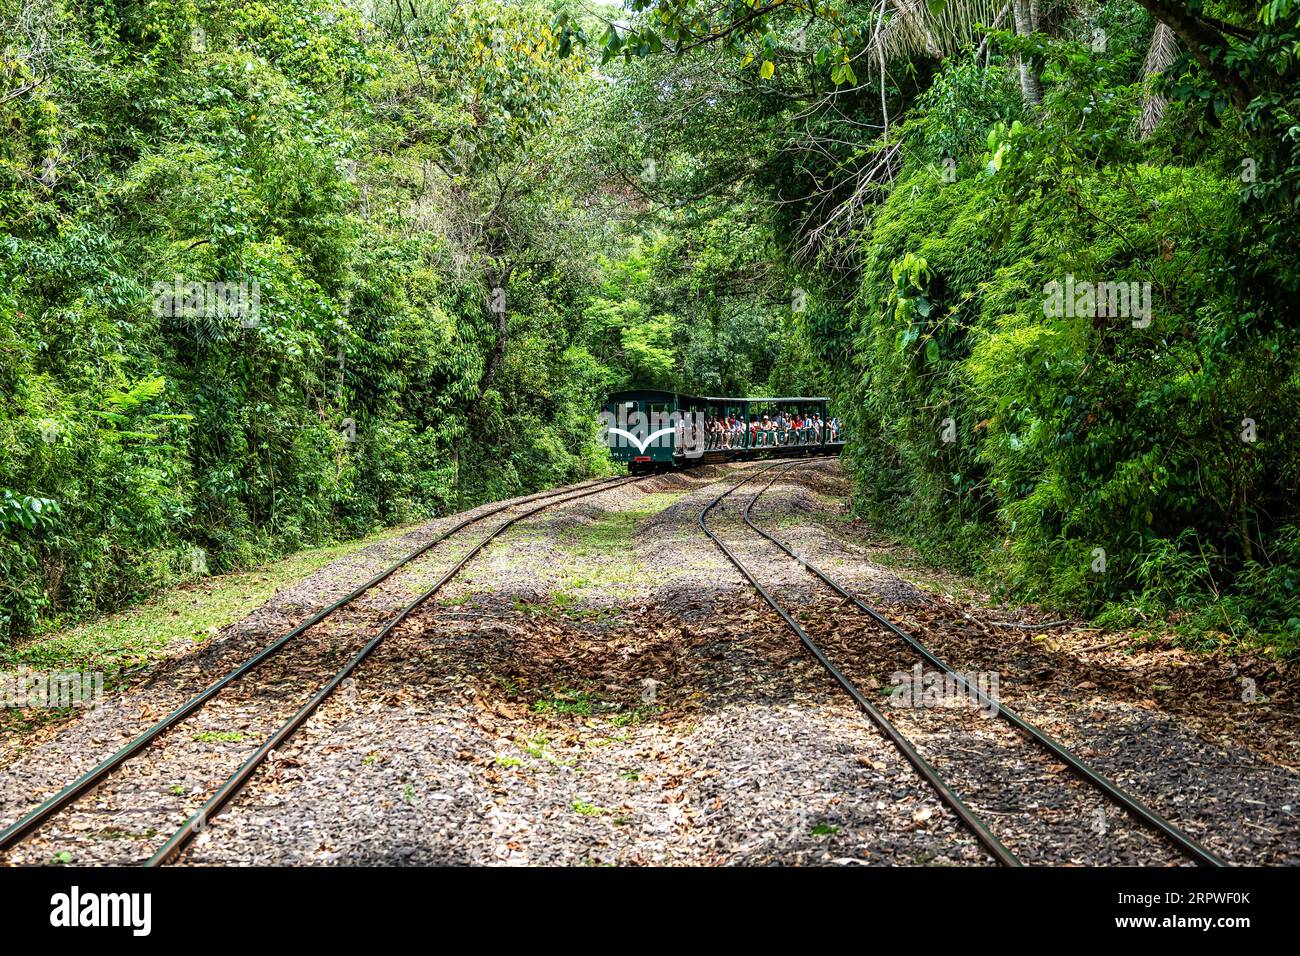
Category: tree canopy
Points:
column 273, row 273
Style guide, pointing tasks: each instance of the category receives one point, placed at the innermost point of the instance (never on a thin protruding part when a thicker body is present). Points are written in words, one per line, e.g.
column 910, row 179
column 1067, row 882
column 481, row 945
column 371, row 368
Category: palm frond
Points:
column 1160, row 55
column 1163, row 50
column 916, row 27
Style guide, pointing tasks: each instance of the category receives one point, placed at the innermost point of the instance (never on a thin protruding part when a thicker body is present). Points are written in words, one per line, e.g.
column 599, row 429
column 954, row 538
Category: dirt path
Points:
column 601, row 687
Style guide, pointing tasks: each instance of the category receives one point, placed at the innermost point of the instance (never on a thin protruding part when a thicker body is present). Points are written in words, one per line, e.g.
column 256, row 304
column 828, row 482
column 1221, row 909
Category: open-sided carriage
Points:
column 655, row 430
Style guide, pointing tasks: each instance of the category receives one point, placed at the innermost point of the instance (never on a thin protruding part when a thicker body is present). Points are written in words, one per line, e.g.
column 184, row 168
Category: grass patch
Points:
column 129, row 639
column 119, row 834
column 565, row 604
column 536, row 746
column 629, row 717
column 220, row 736
column 611, row 534
column 602, row 561
column 569, row 702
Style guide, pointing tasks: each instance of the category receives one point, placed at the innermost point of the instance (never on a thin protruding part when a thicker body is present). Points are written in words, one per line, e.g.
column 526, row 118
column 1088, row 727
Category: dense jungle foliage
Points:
column 378, row 175
column 456, row 224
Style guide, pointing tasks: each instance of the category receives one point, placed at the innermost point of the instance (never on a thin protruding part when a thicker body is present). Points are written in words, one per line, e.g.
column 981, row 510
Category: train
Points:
column 654, row 430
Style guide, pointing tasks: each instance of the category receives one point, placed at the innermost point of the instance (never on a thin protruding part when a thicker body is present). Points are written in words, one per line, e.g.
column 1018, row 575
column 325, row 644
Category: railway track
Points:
column 362, row 618
column 366, row 629
column 1183, row 843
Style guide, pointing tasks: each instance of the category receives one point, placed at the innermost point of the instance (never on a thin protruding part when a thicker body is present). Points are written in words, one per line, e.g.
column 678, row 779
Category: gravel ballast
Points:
column 600, row 686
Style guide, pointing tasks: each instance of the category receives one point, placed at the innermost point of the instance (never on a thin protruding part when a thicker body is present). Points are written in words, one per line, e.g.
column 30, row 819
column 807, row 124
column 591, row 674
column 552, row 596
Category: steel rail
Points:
column 1108, row 788
column 923, row 767
column 236, row 782
column 31, row 821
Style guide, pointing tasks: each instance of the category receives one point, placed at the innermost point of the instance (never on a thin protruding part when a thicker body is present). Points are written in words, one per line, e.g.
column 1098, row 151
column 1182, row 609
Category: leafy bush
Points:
column 290, row 145
column 1097, row 459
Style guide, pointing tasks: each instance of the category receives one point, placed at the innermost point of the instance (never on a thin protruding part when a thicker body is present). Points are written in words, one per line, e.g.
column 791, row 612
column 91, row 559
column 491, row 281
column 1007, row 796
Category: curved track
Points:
column 358, row 619
column 69, row 795
column 1108, row 788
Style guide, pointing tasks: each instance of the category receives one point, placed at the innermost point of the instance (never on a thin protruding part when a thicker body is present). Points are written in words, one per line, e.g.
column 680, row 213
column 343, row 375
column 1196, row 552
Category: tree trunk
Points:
column 1031, row 87
column 1207, row 45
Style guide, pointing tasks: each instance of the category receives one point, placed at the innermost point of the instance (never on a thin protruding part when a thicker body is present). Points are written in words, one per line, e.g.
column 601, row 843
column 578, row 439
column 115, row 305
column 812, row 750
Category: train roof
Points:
column 790, row 398
column 714, row 398
column 643, row 391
